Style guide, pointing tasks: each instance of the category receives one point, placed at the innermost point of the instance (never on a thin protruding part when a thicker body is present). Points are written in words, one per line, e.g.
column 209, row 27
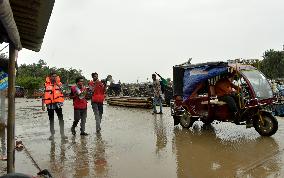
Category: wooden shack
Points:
column 22, row 25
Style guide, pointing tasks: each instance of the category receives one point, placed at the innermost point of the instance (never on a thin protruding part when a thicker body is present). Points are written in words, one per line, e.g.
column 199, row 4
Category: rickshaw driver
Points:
column 226, row 91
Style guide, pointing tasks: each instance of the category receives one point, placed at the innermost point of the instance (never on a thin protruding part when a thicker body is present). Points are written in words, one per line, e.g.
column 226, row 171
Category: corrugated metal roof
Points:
column 32, row 17
column 8, row 28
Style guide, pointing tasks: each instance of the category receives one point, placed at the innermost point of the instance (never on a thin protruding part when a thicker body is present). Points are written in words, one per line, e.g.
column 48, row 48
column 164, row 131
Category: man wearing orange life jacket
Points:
column 53, row 99
column 98, row 89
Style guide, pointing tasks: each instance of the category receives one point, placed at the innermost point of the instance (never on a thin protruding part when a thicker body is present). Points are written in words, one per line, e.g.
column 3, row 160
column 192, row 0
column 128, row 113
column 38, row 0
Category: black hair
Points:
column 52, row 72
column 95, row 73
column 79, row 78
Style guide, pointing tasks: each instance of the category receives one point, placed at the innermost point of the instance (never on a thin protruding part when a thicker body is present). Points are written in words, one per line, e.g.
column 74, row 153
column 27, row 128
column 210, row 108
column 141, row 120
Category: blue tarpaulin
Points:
column 3, row 80
column 194, row 76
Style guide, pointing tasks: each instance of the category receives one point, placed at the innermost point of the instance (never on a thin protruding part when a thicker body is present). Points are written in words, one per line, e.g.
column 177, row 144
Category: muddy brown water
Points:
column 136, row 144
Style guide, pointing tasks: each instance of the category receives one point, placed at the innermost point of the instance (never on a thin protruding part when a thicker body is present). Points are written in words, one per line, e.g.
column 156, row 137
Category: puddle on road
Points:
column 135, row 143
column 204, row 152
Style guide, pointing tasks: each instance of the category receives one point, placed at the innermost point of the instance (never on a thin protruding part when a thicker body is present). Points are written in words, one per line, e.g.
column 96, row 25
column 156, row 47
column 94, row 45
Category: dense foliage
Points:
column 273, row 64
column 32, row 76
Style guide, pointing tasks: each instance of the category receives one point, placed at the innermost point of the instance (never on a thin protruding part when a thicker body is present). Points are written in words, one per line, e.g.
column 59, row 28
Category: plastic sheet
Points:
column 193, row 77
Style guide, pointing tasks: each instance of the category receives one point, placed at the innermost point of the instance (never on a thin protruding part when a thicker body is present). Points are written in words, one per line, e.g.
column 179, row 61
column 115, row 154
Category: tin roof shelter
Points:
column 22, row 24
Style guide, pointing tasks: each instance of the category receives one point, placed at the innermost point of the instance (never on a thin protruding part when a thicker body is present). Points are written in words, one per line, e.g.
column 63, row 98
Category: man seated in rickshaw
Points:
column 226, row 91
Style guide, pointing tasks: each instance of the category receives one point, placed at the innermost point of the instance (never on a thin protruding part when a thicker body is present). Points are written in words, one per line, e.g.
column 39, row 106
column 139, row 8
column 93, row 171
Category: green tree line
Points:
column 32, row 76
column 272, row 64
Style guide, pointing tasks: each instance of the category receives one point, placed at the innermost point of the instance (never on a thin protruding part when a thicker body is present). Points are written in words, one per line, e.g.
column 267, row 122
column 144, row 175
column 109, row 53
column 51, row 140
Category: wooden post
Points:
column 11, row 111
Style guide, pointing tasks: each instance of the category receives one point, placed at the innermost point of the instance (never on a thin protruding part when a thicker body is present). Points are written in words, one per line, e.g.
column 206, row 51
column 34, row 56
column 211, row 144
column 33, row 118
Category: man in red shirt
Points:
column 98, row 89
column 224, row 91
column 78, row 94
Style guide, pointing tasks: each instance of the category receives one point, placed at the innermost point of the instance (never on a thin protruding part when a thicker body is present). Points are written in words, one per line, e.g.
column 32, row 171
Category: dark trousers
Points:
column 230, row 100
column 51, row 120
column 80, row 114
column 98, row 110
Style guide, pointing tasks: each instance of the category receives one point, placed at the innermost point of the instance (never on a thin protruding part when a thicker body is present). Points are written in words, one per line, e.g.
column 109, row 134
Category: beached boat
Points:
column 127, row 101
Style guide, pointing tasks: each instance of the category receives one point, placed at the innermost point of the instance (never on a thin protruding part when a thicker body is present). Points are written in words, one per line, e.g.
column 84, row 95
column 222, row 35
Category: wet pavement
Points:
column 135, row 143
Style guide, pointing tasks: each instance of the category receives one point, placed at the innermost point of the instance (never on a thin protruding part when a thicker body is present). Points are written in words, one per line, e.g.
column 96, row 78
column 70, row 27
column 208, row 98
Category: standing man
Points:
column 53, row 98
column 157, row 95
column 78, row 94
column 98, row 89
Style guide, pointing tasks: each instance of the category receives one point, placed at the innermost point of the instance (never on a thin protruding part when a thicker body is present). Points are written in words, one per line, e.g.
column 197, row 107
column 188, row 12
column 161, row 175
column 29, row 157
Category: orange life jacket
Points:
column 53, row 93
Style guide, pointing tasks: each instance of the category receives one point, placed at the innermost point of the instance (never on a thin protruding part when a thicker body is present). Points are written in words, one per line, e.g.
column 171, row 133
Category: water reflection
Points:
column 57, row 162
column 100, row 162
column 81, row 160
column 160, row 132
column 200, row 153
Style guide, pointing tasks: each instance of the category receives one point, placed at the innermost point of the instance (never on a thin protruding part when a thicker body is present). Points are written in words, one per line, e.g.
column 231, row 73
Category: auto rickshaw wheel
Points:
column 176, row 120
column 265, row 124
column 186, row 120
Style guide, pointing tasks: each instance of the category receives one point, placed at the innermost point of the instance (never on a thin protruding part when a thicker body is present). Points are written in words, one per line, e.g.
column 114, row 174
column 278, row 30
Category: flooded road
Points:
column 135, row 143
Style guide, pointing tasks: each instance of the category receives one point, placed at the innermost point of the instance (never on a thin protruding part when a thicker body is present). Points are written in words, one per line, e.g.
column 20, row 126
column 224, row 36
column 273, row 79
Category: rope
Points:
column 32, row 159
column 4, row 48
column 45, row 173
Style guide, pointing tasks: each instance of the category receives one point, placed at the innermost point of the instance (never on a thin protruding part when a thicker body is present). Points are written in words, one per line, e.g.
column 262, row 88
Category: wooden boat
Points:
column 127, row 101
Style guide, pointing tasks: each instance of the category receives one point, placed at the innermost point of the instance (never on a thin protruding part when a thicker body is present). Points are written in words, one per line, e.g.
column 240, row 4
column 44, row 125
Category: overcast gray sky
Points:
column 131, row 39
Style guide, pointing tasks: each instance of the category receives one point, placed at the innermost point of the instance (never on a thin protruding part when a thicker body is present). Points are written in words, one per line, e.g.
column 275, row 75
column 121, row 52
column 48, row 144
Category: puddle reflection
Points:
column 81, row 161
column 160, row 132
column 57, row 163
column 200, row 153
column 99, row 156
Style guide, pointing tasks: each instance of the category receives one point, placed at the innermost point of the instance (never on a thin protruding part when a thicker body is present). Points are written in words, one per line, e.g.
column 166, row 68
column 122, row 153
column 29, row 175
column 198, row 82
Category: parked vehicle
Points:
column 192, row 102
column 20, row 92
column 38, row 93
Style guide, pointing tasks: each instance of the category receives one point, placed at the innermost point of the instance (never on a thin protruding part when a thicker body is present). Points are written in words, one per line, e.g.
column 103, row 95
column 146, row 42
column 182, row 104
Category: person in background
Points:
column 78, row 94
column 274, row 87
column 157, row 95
column 98, row 89
column 53, row 99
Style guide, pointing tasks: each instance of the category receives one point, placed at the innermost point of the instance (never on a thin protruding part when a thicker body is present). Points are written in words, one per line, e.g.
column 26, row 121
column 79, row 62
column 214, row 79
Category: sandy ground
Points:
column 135, row 143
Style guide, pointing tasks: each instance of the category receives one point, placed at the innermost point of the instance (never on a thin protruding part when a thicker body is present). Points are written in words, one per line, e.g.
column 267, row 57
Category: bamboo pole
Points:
column 11, row 111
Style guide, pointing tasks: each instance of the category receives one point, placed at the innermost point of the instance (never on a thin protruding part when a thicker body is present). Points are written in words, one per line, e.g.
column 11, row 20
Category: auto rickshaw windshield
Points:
column 259, row 84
